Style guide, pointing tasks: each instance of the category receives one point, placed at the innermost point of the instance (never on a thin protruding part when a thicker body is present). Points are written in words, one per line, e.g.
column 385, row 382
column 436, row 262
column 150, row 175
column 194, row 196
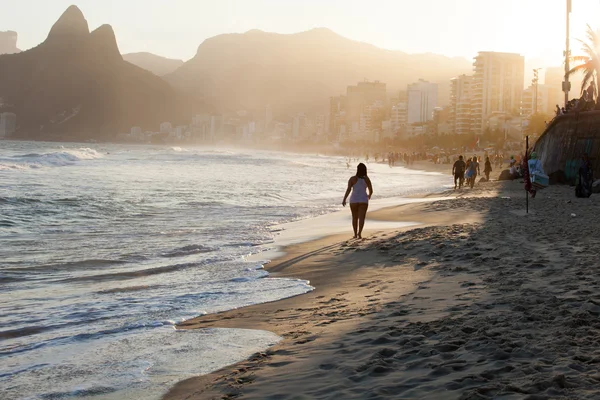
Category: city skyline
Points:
column 455, row 29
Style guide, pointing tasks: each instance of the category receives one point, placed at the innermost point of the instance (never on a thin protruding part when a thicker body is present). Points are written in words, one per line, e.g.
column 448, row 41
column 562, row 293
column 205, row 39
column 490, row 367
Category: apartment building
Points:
column 497, row 86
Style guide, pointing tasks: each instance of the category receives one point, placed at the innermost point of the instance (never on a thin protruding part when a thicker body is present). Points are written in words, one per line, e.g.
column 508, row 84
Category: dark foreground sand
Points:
column 481, row 301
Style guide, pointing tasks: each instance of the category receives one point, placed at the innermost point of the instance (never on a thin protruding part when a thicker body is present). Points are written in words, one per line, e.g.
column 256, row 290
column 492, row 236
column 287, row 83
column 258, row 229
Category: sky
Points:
column 175, row 28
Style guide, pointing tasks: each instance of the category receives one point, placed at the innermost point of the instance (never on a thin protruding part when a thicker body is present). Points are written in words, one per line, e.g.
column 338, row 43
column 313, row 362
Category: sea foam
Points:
column 52, row 159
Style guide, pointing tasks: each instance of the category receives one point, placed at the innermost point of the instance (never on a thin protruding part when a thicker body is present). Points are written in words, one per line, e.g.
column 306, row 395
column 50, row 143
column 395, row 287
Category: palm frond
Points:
column 578, row 68
column 579, row 58
column 590, row 61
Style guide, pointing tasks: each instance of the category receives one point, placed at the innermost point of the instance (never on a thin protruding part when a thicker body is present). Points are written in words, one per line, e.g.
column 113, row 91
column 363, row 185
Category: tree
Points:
column 537, row 124
column 590, row 60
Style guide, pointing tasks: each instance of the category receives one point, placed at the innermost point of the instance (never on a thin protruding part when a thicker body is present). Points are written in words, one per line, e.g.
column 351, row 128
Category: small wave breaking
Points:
column 61, row 158
column 187, row 251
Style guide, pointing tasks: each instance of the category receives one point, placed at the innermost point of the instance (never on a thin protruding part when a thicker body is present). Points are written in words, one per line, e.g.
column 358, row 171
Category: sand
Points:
column 480, row 301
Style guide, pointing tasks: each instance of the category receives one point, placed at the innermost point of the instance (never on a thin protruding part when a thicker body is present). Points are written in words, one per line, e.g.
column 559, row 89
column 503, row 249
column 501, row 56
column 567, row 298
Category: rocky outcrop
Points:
column 563, row 143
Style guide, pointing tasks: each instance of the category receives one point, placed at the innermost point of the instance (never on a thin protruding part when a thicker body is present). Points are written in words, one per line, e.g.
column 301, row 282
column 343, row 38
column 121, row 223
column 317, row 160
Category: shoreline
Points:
column 503, row 305
column 295, row 250
column 292, row 261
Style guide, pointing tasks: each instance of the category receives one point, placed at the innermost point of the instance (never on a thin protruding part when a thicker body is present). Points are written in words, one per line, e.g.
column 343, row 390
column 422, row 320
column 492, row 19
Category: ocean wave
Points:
column 116, row 276
column 70, row 265
column 187, row 251
column 260, row 275
column 53, row 159
column 80, row 393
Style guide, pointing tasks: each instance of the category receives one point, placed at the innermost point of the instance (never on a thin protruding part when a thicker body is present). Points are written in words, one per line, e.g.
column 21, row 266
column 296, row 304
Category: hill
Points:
column 151, row 62
column 75, row 86
column 299, row 72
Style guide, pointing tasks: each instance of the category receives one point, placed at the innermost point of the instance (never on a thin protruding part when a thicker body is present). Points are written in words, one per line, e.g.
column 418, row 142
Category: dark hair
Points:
column 361, row 170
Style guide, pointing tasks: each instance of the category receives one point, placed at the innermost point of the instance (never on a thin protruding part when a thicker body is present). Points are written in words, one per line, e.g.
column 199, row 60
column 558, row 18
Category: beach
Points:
column 480, row 300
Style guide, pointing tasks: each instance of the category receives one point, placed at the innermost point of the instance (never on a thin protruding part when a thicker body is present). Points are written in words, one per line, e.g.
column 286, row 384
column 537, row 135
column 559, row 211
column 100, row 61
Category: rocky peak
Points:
column 103, row 43
column 71, row 25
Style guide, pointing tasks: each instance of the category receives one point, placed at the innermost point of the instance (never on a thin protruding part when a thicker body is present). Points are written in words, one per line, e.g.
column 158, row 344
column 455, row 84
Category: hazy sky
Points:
column 175, row 28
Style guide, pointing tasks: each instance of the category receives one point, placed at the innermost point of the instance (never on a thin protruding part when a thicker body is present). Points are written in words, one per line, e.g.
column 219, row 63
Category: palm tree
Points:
column 591, row 60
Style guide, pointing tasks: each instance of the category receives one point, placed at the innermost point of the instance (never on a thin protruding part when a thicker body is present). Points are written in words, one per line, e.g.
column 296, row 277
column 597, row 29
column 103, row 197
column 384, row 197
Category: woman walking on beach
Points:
column 359, row 200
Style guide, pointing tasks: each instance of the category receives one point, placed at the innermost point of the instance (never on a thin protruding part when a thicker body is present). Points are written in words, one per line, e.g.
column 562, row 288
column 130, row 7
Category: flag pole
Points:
column 526, row 192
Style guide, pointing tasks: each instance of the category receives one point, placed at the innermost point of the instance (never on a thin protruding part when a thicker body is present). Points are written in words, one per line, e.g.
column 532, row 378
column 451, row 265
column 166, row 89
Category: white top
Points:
column 359, row 192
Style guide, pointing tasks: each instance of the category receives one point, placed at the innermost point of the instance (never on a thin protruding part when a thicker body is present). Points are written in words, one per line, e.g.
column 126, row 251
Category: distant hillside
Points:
column 8, row 42
column 75, row 85
column 301, row 71
column 151, row 62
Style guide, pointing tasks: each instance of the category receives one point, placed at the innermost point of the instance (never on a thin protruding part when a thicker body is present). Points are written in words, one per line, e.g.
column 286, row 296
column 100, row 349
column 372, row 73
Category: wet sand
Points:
column 480, row 301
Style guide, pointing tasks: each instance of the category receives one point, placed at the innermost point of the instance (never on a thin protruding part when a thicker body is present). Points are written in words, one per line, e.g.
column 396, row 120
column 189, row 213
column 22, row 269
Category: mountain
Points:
column 151, row 62
column 75, row 85
column 8, row 42
column 299, row 72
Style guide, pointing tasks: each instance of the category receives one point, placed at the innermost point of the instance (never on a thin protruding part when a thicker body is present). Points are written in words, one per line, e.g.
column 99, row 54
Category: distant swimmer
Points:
column 359, row 200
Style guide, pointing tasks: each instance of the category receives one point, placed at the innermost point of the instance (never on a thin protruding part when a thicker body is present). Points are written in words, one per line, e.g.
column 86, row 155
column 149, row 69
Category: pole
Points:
column 535, row 90
column 566, row 83
column 526, row 192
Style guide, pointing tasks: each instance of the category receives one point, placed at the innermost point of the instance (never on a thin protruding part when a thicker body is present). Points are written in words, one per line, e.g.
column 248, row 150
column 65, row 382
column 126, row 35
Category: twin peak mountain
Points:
column 76, row 85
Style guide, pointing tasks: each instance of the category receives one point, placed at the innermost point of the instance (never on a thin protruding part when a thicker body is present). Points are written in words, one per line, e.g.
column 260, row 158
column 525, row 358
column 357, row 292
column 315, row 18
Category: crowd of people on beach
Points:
column 466, row 172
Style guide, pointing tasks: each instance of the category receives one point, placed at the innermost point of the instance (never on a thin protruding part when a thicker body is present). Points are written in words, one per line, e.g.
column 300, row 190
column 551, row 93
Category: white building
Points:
column 321, row 124
column 298, row 126
column 216, row 125
column 422, row 99
column 8, row 124
column 548, row 97
column 180, row 132
column 166, row 127
column 497, row 86
column 398, row 116
column 268, row 117
column 460, row 104
column 365, row 121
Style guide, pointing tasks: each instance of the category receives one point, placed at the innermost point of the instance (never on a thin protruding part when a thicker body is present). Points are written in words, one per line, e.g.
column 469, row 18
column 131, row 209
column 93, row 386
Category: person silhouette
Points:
column 359, row 200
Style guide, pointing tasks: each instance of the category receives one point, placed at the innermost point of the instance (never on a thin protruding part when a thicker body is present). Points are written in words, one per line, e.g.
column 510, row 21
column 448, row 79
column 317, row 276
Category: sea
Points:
column 105, row 248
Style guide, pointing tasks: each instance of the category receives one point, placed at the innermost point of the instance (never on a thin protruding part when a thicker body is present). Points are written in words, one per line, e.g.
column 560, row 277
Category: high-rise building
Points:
column 217, row 123
column 298, row 125
column 268, row 117
column 497, row 86
column 422, row 99
column 362, row 95
column 166, row 127
column 460, row 104
column 8, row 124
column 398, row 117
column 337, row 113
column 548, row 97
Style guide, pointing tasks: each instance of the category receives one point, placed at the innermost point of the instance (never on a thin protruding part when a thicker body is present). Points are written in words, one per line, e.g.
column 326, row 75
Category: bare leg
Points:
column 362, row 213
column 354, row 209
